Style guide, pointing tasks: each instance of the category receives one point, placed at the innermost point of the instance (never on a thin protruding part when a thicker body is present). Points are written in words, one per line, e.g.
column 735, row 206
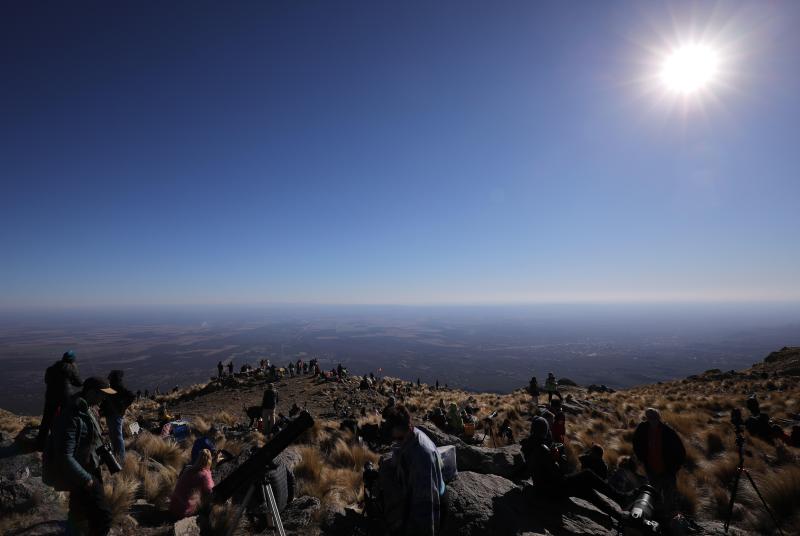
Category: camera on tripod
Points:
column 107, row 458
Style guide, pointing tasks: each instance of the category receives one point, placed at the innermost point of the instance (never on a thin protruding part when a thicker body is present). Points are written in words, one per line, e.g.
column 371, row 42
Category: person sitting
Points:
column 455, row 424
column 419, row 470
column 506, row 432
column 193, row 488
column 438, row 418
column 757, row 424
column 592, row 460
column 294, row 410
column 550, row 482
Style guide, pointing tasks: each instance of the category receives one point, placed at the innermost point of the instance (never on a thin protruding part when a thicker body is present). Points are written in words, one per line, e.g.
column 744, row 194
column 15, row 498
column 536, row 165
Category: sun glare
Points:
column 690, row 68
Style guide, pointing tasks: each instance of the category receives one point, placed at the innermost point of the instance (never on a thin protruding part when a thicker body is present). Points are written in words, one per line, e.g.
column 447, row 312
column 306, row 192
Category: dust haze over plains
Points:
column 486, row 348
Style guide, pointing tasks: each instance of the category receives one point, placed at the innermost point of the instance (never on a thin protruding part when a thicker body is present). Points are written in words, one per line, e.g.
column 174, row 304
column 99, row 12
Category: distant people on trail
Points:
column 592, row 460
column 533, row 390
column 230, row 367
column 268, row 404
column 559, row 426
column 113, row 408
column 418, row 383
column 70, row 462
column 758, row 424
column 662, row 453
column 551, row 386
column 550, row 482
column 193, row 488
column 437, row 384
column 59, row 379
column 291, row 369
column 220, row 369
column 419, row 472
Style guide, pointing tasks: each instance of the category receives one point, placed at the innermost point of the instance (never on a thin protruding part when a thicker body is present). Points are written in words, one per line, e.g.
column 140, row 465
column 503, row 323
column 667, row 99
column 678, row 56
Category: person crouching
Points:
column 193, row 488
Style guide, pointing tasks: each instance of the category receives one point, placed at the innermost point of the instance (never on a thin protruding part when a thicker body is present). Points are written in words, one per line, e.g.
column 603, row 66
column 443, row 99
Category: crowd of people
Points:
column 71, row 439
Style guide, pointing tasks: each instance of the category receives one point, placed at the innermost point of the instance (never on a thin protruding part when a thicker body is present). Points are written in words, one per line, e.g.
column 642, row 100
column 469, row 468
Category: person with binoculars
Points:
column 73, row 457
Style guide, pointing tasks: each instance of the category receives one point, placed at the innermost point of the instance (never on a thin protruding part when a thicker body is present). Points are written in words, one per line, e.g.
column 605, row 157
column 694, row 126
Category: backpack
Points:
column 53, row 465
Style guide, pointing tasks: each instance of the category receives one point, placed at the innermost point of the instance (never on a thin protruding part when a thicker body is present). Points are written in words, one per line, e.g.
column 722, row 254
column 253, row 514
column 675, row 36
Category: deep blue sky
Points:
column 394, row 152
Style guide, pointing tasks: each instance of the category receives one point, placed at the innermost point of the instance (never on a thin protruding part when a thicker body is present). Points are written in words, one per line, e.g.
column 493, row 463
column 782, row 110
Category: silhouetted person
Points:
column 230, row 367
column 592, row 460
column 220, row 369
column 662, row 453
column 506, row 432
column 437, row 384
column 533, row 390
column 113, row 408
column 59, row 378
column 757, row 424
column 551, row 386
column 268, row 404
column 559, row 426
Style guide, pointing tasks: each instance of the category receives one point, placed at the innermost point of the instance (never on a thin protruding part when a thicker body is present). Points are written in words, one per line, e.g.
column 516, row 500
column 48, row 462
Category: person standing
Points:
column 551, row 386
column 59, row 378
column 661, row 451
column 113, row 408
column 419, row 471
column 533, row 390
column 559, row 427
column 268, row 404
column 230, row 367
column 220, row 369
column 71, row 462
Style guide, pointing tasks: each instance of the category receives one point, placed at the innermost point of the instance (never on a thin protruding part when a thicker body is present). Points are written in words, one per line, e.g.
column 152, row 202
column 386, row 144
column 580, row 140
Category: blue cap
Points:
column 69, row 356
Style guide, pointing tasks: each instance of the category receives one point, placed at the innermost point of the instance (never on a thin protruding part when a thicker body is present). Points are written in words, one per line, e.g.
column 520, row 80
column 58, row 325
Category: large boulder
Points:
column 299, row 514
column 16, row 496
column 505, row 461
column 488, row 504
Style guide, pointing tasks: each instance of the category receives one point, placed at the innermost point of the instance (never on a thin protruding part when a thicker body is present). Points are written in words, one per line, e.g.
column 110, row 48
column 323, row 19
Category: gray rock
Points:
column 503, row 461
column 186, row 527
column 299, row 513
column 16, row 496
column 488, row 504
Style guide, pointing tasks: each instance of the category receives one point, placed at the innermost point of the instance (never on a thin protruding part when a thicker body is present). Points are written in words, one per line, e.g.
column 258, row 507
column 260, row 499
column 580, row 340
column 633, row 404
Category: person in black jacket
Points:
column 71, row 462
column 549, row 479
column 220, row 369
column 662, row 453
column 114, row 408
column 268, row 404
column 59, row 378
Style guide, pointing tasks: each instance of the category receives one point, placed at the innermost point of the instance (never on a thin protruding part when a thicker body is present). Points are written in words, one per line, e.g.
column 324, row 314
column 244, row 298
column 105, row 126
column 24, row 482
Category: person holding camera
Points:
column 419, row 471
column 662, row 453
column 74, row 455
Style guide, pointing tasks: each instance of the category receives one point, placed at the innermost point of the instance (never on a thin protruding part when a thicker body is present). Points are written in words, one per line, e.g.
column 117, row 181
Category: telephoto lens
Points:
column 109, row 460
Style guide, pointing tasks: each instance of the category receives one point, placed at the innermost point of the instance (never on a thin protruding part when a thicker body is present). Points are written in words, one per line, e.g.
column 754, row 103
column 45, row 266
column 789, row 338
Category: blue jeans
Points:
column 114, row 423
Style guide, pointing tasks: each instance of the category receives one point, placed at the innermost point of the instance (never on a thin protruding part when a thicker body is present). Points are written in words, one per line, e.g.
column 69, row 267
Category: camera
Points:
column 639, row 521
column 106, row 455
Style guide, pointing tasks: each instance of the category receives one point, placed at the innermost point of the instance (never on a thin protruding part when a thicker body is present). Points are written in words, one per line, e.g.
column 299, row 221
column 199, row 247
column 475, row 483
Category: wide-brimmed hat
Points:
column 100, row 384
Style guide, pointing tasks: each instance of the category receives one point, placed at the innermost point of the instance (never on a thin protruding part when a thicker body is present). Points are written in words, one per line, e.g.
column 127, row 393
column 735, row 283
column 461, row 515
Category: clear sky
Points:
column 395, row 152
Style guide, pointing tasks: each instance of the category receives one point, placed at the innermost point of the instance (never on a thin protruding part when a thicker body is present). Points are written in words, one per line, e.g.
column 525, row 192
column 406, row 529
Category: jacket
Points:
column 115, row 405
column 60, row 378
column 673, row 452
column 73, row 444
column 420, row 474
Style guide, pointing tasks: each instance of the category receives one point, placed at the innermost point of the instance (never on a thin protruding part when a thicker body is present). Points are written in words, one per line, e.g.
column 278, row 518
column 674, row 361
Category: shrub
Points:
column 120, row 494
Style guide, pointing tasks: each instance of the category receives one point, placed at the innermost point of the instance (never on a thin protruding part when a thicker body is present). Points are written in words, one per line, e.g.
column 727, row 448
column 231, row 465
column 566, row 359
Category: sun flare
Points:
column 690, row 68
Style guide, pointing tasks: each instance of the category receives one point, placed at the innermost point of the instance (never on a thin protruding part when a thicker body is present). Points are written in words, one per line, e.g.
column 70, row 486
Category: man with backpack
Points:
column 71, row 461
column 113, row 408
column 59, row 378
column 662, row 453
column 268, row 404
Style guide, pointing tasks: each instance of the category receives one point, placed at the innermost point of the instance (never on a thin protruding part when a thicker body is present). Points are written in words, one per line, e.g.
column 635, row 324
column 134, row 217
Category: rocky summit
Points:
column 492, row 492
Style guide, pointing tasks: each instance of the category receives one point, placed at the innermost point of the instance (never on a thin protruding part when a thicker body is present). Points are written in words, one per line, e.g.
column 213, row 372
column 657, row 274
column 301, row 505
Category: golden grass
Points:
column 120, row 493
column 165, row 452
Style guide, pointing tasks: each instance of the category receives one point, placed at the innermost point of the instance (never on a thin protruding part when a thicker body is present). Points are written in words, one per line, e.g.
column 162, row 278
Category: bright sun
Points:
column 690, row 68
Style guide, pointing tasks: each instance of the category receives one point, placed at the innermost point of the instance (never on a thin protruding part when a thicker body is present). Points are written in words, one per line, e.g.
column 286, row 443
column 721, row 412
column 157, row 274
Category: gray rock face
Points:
column 16, row 496
column 506, row 461
column 186, row 527
column 488, row 504
column 299, row 514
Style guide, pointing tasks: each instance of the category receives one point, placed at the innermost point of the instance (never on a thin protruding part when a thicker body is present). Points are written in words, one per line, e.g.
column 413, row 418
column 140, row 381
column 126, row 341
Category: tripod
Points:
column 268, row 498
column 734, row 488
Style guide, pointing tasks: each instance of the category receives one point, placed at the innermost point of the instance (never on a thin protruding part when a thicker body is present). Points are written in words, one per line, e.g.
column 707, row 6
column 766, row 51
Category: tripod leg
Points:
column 734, row 488
column 763, row 501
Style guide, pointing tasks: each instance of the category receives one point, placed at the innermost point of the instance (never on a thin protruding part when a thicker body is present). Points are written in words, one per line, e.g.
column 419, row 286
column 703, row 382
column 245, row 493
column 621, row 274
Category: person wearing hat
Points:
column 113, row 408
column 662, row 453
column 60, row 378
column 72, row 454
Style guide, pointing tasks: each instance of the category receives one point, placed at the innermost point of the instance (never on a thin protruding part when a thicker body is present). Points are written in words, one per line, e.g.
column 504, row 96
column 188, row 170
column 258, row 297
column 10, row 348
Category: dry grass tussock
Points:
column 164, row 451
column 13, row 424
column 120, row 492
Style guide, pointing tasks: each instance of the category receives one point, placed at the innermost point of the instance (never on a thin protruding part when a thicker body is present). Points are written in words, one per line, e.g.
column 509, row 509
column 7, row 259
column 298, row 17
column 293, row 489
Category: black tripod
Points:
column 735, row 486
